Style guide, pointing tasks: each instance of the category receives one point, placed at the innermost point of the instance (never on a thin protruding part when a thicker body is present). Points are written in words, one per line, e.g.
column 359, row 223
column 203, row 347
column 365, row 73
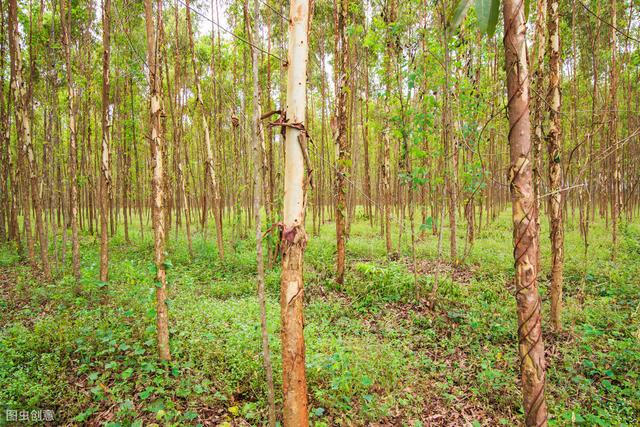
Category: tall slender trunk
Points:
column 139, row 188
column 555, row 166
column 294, row 237
column 537, row 103
column 209, row 165
column 154, row 61
column 258, row 150
column 177, row 123
column 450, row 152
column 389, row 18
column 364, row 121
column 18, row 91
column 105, row 174
column 531, row 347
column 340, row 130
column 4, row 139
column 65, row 14
column 613, row 131
column 31, row 178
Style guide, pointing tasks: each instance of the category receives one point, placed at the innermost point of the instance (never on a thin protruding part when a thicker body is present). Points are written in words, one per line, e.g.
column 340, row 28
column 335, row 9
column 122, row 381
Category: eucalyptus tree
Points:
column 105, row 171
column 341, row 15
column 23, row 125
column 538, row 75
column 294, row 236
column 154, row 62
column 5, row 216
column 32, row 178
column 555, row 164
column 65, row 17
column 258, row 156
column 523, row 204
column 613, row 130
column 209, row 164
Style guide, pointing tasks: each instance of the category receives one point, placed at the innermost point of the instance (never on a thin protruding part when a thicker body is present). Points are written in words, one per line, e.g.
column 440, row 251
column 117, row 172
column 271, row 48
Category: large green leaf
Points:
column 487, row 12
column 459, row 13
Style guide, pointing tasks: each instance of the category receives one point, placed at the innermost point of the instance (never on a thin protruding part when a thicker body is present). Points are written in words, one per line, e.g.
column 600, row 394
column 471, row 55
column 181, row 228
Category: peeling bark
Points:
column 340, row 131
column 105, row 173
column 154, row 41
column 531, row 347
column 65, row 12
column 294, row 382
column 555, row 166
column 30, row 177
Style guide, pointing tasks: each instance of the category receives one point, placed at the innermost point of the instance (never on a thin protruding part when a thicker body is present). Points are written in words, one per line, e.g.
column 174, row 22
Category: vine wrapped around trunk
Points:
column 531, row 347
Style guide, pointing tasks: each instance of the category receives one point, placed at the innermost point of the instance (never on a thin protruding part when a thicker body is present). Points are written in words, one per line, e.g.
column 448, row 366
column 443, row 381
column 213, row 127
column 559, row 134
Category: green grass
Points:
column 374, row 352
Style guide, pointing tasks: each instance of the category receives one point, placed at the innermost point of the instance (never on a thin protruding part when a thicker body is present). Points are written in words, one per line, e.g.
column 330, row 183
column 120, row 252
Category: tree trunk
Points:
column 555, row 166
column 450, row 152
column 531, row 347
column 18, row 89
column 613, row 132
column 294, row 237
column 340, row 130
column 23, row 125
column 4, row 139
column 389, row 17
column 209, row 165
column 105, row 174
column 154, row 41
column 537, row 103
column 73, row 137
column 258, row 149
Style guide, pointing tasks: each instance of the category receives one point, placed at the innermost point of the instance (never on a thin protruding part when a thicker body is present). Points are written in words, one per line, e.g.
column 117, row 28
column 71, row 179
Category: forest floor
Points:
column 376, row 354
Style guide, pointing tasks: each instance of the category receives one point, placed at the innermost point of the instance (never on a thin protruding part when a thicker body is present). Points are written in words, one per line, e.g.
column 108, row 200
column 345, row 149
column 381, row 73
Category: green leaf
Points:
column 127, row 373
column 487, row 11
column 459, row 13
column 366, row 381
column 318, row 412
column 146, row 393
column 190, row 415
